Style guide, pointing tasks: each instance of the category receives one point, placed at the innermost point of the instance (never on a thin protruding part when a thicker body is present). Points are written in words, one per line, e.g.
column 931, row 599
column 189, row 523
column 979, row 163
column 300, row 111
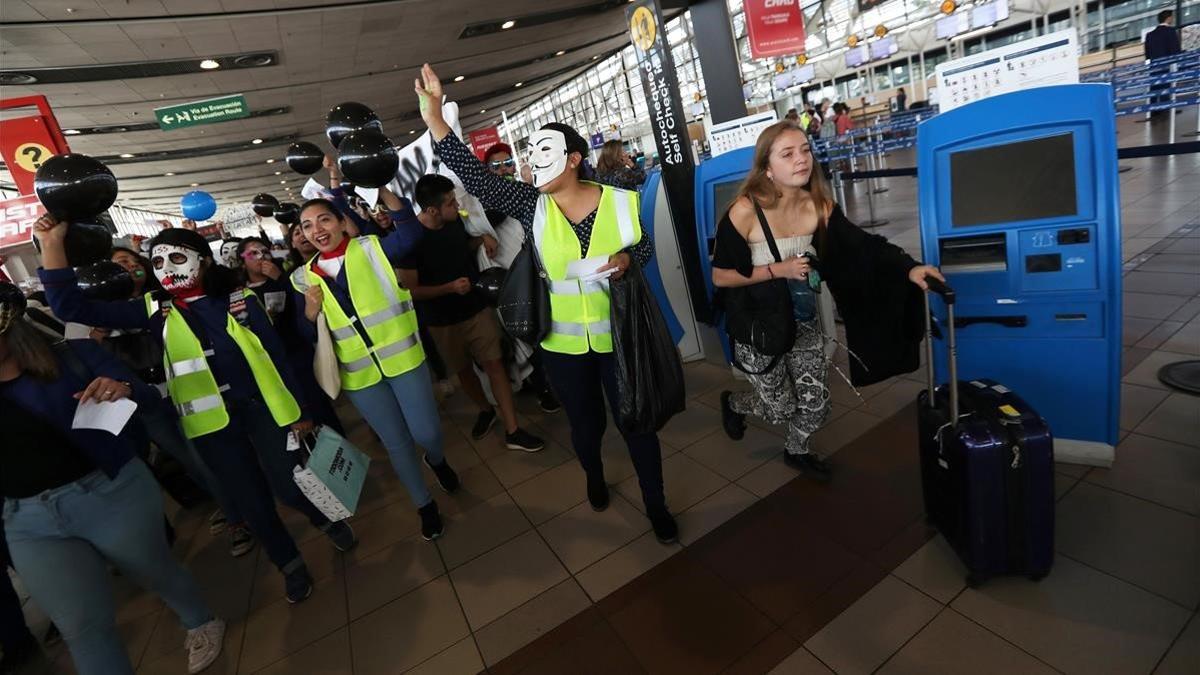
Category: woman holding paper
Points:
column 76, row 498
column 584, row 234
column 228, row 376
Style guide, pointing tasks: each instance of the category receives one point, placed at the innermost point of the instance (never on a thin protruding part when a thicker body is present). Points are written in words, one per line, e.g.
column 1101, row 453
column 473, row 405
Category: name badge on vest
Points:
column 237, row 307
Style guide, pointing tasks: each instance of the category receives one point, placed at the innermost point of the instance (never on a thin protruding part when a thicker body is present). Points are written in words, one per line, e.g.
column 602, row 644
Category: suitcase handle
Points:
column 947, row 294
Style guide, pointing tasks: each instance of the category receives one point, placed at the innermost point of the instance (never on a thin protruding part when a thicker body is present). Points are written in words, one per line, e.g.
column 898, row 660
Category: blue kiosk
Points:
column 1020, row 209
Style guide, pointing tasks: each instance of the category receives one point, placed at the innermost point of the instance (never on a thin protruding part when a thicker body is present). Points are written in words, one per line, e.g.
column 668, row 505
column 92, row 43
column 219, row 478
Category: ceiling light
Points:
column 507, row 24
column 560, row 52
column 209, row 64
column 411, row 132
column 483, row 111
column 278, row 172
column 256, row 141
column 125, row 155
column 70, row 132
column 595, row 57
column 282, row 182
column 460, row 78
column 271, row 161
column 518, row 84
column 169, row 173
column 195, row 185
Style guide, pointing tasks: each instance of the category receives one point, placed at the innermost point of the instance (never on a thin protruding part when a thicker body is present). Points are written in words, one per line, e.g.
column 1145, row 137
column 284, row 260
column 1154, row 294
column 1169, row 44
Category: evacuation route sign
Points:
column 208, row 111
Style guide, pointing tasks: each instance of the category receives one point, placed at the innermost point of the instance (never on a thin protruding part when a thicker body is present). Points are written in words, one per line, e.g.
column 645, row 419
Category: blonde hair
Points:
column 760, row 188
column 610, row 157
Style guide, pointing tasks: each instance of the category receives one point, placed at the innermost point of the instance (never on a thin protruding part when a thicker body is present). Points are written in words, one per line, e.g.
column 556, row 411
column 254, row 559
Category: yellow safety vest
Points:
column 382, row 308
column 579, row 310
column 190, row 381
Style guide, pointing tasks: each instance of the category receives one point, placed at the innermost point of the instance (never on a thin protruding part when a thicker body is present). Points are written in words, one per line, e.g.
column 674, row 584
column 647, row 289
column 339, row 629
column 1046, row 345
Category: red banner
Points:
column 775, row 27
column 17, row 216
column 482, row 139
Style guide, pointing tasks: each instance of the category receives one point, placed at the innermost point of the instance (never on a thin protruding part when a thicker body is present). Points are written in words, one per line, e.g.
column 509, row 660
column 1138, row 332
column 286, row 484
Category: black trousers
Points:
column 582, row 383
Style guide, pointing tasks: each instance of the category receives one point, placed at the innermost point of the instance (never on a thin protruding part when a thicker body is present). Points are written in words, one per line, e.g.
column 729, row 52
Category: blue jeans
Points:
column 62, row 542
column 162, row 426
column 251, row 459
column 402, row 409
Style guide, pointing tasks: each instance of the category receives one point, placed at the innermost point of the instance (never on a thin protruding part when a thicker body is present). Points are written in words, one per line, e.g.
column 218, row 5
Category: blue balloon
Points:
column 198, row 205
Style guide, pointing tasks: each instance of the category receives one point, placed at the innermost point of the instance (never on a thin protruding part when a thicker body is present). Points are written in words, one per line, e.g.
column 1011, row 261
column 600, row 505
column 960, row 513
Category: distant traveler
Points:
column 616, row 168
column 1162, row 42
column 901, row 100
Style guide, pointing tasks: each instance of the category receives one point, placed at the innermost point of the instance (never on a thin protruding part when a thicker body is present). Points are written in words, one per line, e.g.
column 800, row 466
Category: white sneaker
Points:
column 203, row 645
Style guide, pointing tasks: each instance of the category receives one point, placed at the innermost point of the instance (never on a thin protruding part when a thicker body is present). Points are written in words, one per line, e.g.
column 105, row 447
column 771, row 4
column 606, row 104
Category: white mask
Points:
column 177, row 268
column 229, row 253
column 547, row 156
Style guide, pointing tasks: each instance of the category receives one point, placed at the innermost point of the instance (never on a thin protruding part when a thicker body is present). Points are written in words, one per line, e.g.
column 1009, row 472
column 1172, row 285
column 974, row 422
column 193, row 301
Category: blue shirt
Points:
column 55, row 403
column 207, row 317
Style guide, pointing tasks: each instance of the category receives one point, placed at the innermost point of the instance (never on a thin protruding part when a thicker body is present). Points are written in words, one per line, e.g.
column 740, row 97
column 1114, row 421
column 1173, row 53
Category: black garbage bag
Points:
column 649, row 371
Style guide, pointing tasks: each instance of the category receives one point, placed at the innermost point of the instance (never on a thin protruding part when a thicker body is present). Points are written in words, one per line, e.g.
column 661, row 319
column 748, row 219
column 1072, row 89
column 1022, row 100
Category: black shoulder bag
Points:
column 761, row 315
column 524, row 298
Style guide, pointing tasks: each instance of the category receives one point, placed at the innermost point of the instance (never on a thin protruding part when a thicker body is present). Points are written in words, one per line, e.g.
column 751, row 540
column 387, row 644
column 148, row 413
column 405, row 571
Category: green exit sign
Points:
column 208, row 111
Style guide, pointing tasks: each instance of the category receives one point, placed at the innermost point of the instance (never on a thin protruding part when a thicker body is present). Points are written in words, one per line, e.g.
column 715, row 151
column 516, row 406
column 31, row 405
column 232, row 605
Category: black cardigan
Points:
column 868, row 276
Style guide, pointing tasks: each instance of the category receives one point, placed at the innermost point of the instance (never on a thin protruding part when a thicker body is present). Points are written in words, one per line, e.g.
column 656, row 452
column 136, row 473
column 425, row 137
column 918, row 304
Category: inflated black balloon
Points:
column 105, row 280
column 368, row 159
column 264, row 204
column 85, row 242
column 75, row 187
column 288, row 213
column 489, row 282
column 347, row 117
column 305, row 158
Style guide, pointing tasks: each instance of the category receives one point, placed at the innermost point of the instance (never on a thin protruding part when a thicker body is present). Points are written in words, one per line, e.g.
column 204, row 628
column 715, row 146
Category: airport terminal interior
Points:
column 1042, row 156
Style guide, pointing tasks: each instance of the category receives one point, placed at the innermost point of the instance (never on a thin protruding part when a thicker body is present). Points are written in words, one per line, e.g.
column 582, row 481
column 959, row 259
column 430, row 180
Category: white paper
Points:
column 314, row 190
column 583, row 269
column 369, row 195
column 110, row 416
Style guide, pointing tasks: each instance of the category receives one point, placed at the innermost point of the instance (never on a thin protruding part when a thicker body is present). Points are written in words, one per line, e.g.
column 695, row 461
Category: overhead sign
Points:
column 669, row 127
column 740, row 133
column 17, row 216
column 208, row 111
column 482, row 139
column 1037, row 62
column 775, row 27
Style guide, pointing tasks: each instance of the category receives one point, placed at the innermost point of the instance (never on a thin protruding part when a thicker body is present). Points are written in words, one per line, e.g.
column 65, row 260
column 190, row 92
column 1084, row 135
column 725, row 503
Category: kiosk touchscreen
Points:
column 1020, row 209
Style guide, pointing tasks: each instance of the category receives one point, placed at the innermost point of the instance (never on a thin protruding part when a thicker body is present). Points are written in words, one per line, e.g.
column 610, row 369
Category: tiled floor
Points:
column 773, row 573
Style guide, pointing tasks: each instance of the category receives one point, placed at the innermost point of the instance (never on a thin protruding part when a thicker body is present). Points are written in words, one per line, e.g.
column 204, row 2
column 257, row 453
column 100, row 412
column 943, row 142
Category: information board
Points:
column 739, row 133
column 1038, row 62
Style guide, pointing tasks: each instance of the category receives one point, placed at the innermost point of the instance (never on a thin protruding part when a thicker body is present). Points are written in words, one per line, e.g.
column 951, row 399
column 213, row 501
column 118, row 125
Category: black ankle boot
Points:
column 597, row 491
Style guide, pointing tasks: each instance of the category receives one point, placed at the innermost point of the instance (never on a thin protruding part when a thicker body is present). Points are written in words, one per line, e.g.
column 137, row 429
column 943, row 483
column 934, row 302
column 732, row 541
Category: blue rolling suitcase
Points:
column 987, row 469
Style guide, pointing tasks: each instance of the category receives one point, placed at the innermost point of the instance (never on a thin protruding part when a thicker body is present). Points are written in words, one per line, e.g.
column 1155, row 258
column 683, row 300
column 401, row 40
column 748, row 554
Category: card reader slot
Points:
column 1006, row 320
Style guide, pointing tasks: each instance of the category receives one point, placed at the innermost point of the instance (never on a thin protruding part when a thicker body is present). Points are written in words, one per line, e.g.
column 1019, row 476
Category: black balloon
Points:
column 75, row 187
column 305, row 158
column 264, row 204
column 288, row 213
column 105, row 280
column 347, row 117
column 86, row 243
column 489, row 282
column 368, row 159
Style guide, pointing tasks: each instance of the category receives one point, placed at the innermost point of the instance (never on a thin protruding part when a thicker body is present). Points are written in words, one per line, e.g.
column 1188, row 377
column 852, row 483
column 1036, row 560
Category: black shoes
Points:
column 808, row 464
column 19, row 654
column 342, row 536
column 431, row 521
column 548, row 402
column 299, row 584
column 446, row 477
column 597, row 491
column 735, row 424
column 483, row 424
column 523, row 440
column 665, row 528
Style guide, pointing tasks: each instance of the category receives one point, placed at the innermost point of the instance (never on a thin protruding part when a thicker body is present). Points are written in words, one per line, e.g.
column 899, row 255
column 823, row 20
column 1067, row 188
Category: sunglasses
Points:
column 254, row 254
column 506, row 163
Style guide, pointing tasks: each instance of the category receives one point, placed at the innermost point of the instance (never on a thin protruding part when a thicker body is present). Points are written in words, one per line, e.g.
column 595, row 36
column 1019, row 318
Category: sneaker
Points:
column 548, row 403
column 431, row 521
column 203, row 645
column 446, row 477
column 298, row 584
column 665, row 529
column 241, row 541
column 217, row 523
column 735, row 424
column 597, row 493
column 808, row 464
column 523, row 440
column 483, row 424
column 342, row 536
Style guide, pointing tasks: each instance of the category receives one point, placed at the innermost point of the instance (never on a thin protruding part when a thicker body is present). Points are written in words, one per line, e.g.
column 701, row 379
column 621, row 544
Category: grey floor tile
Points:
column 952, row 644
column 1155, row 470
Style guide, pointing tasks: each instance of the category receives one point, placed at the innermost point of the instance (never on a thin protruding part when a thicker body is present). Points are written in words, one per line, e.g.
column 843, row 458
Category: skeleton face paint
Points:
column 547, row 156
column 229, row 256
column 176, row 268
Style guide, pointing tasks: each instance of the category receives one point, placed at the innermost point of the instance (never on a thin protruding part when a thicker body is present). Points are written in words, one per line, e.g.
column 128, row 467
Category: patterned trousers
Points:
column 793, row 392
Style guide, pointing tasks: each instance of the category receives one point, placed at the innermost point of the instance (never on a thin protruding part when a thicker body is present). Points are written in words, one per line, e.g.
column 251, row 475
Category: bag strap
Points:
column 733, row 361
column 766, row 228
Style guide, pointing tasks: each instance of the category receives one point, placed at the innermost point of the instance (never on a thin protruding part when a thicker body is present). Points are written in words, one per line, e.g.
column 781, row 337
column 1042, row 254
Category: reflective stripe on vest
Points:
column 191, row 384
column 579, row 310
column 382, row 310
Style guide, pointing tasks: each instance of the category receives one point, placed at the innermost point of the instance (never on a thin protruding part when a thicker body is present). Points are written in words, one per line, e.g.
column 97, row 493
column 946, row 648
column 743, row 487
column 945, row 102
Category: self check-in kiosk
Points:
column 1020, row 209
column 666, row 275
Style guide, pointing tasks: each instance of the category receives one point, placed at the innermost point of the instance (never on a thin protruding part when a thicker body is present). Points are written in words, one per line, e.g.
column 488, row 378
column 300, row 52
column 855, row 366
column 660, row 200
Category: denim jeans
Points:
column 162, row 426
column 62, row 542
column 402, row 409
column 250, row 458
